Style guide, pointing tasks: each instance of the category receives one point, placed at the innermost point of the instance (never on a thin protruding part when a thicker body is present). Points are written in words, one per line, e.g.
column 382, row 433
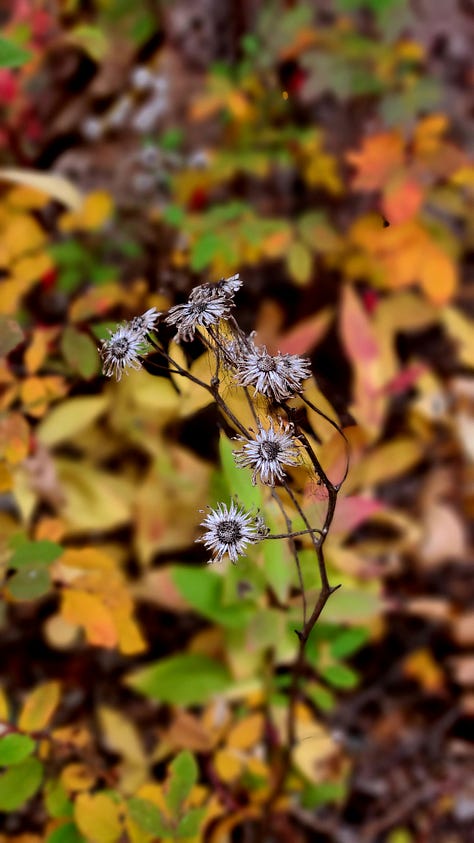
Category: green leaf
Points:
column 147, row 816
column 340, row 676
column 15, row 748
column 348, row 642
column 183, row 777
column 80, row 352
column 322, row 697
column 57, row 800
column 174, row 215
column 315, row 795
column 172, row 139
column 29, row 584
column 205, row 249
column 33, row 554
column 11, row 335
column 185, row 679
column 19, row 784
column 191, row 822
column 203, row 590
column 67, row 833
column 11, row 55
column 238, row 479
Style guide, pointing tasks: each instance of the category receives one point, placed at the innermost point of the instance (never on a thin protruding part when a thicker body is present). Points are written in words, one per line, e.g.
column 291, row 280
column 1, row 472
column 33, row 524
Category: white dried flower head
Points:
column 225, row 288
column 122, row 351
column 146, row 322
column 197, row 314
column 277, row 376
column 271, row 450
column 229, row 529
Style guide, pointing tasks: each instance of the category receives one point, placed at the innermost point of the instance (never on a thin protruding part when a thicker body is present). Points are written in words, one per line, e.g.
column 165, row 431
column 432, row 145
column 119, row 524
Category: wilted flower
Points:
column 122, row 351
column 225, row 288
column 146, row 322
column 229, row 530
column 268, row 453
column 277, row 376
column 197, row 314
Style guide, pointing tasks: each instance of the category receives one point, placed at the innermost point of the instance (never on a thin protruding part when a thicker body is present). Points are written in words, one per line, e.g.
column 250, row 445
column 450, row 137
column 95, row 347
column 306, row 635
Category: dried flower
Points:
column 122, row 351
column 197, row 314
column 230, row 530
column 146, row 322
column 225, row 288
column 278, row 377
column 268, row 453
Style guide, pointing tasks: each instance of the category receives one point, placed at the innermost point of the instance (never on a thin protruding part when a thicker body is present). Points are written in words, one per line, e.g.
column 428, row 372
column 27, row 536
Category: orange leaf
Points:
column 88, row 610
column 247, row 732
column 37, row 349
column 14, row 438
column 379, row 158
column 77, row 777
column 39, row 707
column 403, row 198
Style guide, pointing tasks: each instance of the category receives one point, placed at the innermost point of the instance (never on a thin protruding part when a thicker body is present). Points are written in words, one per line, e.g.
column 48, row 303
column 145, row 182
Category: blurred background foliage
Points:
column 324, row 151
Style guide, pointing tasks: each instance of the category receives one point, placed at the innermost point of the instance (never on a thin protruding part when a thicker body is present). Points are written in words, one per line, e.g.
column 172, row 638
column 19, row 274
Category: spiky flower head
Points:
column 146, row 322
column 201, row 313
column 267, row 454
column 122, row 350
column 276, row 376
column 225, row 288
column 229, row 529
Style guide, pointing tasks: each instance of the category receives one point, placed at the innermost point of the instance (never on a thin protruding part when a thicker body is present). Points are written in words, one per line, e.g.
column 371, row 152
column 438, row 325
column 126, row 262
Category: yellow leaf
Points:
column 130, row 639
column 95, row 500
column 299, row 261
column 460, row 329
column 77, row 777
column 247, row 732
column 11, row 292
column 384, row 463
column 227, row 764
column 70, row 417
column 76, row 736
column 30, row 268
column 87, row 558
column 421, row 666
column 55, row 186
column 120, row 735
column 22, row 235
column 88, row 610
column 96, row 209
column 39, row 707
column 6, row 479
column 98, row 817
column 4, row 707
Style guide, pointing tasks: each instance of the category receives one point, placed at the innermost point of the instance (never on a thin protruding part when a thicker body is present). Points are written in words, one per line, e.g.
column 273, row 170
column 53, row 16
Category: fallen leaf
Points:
column 52, row 184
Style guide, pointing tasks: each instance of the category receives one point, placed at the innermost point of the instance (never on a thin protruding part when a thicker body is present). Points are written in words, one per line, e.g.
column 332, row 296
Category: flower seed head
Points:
column 225, row 288
column 271, row 450
column 199, row 313
column 146, row 322
column 122, row 351
column 229, row 529
column 276, row 376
